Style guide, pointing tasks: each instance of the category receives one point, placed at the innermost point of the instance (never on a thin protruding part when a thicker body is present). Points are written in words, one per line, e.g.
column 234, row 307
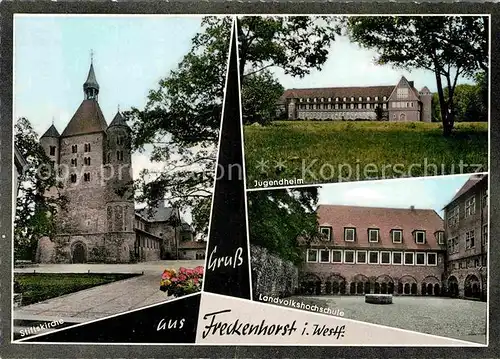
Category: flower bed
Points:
column 186, row 281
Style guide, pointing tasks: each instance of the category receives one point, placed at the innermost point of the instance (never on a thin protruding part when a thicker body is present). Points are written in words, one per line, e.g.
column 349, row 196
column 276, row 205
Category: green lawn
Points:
column 336, row 151
column 37, row 287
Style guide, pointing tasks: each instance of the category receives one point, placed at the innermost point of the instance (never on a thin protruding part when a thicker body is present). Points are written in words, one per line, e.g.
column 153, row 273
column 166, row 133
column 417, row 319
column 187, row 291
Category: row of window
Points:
column 469, row 239
column 324, row 99
column 147, row 242
column 349, row 256
column 86, row 146
column 470, row 208
column 350, row 235
column 86, row 161
column 402, row 104
column 74, row 148
column 467, row 263
column 329, row 106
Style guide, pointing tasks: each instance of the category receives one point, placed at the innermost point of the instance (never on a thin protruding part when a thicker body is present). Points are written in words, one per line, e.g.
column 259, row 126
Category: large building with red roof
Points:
column 401, row 102
column 402, row 251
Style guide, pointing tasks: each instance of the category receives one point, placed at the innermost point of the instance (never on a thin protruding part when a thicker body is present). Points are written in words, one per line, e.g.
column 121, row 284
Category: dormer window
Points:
column 349, row 234
column 376, row 98
column 440, row 237
column 360, row 98
column 336, row 99
column 397, row 236
column 385, row 98
column 352, row 98
column 315, row 99
column 373, row 235
column 345, row 99
column 326, row 232
column 329, row 99
column 368, row 98
column 420, row 237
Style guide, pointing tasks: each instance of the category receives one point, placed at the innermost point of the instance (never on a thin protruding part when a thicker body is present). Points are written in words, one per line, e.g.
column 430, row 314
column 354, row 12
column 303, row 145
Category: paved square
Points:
column 446, row 317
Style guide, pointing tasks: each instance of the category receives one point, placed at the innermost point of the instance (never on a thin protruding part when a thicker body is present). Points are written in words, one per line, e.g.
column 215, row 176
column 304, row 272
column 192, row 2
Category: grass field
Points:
column 37, row 287
column 336, row 151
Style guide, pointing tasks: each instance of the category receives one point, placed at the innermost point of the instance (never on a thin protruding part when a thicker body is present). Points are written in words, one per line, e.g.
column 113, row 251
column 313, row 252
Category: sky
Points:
column 422, row 193
column 350, row 65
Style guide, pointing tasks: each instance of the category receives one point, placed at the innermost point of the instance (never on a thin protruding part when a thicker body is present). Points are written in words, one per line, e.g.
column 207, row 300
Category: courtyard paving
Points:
column 103, row 300
column 446, row 317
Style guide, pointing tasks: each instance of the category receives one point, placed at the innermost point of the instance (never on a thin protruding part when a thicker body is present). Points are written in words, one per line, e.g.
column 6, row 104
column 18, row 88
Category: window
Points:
column 373, row 257
column 324, row 256
column 385, row 257
column 52, row 150
column 73, row 178
column 470, row 207
column 352, row 98
column 361, row 257
column 301, row 100
column 312, row 255
column 384, row 106
column 336, row 256
column 419, row 237
column 469, row 239
column 485, row 234
column 385, row 98
column 484, row 197
column 86, row 177
column 119, row 140
column 336, row 99
column 74, row 148
column 456, row 247
column 453, row 217
column 440, row 237
column 344, row 99
column 348, row 256
column 73, row 162
column 411, row 104
column 329, row 99
column 360, row 98
column 373, row 235
column 327, row 232
column 109, row 157
column 376, row 98
column 119, row 155
column 397, row 258
column 397, row 236
column 86, row 160
column 349, row 234
column 368, row 98
column 308, row 99
column 87, row 147
column 409, row 258
column 352, row 106
column 359, row 105
column 431, row 259
column 420, row 259
column 402, row 92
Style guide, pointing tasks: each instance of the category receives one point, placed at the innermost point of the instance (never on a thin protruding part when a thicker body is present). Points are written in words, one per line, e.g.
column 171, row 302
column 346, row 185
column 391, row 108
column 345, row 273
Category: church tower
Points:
column 120, row 210
column 82, row 144
column 426, row 98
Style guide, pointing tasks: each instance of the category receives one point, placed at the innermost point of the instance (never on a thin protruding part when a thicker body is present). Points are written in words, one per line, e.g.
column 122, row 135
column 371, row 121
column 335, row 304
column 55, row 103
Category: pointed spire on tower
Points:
column 91, row 87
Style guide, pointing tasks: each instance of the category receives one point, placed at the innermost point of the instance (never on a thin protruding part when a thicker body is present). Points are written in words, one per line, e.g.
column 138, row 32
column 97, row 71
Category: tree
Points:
column 450, row 46
column 36, row 213
column 279, row 219
column 379, row 113
column 259, row 96
column 182, row 117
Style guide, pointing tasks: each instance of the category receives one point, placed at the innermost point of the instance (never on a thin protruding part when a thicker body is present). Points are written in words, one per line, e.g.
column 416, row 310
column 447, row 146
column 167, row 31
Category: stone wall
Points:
column 272, row 275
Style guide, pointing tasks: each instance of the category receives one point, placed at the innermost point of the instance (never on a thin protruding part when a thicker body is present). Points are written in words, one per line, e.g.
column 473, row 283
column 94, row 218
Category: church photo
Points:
column 341, row 100
column 111, row 194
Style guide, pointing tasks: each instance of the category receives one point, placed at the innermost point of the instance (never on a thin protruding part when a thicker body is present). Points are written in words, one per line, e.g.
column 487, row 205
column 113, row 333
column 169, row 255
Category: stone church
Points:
column 100, row 223
column 401, row 102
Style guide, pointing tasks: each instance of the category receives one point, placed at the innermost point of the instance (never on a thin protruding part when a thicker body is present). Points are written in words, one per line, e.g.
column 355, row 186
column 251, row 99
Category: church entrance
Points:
column 78, row 253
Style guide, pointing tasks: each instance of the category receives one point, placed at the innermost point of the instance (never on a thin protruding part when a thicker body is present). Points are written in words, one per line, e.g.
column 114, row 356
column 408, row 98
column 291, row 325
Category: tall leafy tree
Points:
column 450, row 46
column 35, row 213
column 180, row 123
column 280, row 220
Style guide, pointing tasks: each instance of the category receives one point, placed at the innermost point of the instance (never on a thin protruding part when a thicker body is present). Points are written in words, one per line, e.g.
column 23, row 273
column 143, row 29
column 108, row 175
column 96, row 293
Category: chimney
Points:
column 412, row 208
column 411, row 83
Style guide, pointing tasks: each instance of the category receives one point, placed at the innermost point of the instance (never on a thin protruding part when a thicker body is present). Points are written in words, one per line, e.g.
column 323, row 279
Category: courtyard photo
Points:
column 113, row 198
column 377, row 253
column 358, row 104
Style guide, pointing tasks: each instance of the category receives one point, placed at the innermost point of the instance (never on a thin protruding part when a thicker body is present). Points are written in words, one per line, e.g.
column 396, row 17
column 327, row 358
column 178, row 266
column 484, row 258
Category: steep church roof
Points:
column 51, row 132
column 87, row 119
column 118, row 120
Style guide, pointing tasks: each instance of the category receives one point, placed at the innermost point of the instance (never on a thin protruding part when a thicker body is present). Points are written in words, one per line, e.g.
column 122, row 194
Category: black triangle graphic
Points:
column 227, row 268
column 171, row 322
